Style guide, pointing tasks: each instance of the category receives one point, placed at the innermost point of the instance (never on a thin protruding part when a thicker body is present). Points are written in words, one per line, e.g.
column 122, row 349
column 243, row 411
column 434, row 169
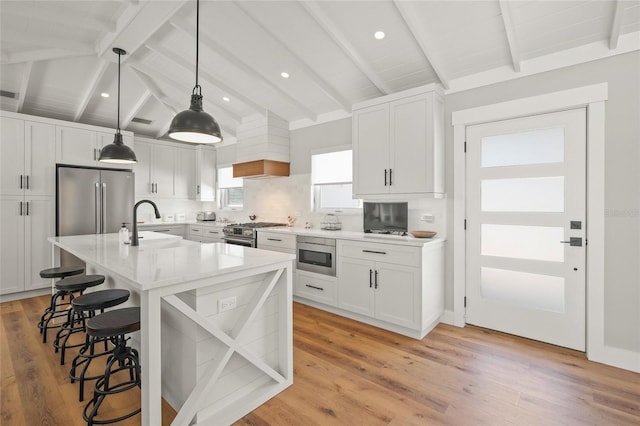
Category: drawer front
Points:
column 213, row 233
column 195, row 230
column 391, row 253
column 166, row 229
column 316, row 287
column 274, row 239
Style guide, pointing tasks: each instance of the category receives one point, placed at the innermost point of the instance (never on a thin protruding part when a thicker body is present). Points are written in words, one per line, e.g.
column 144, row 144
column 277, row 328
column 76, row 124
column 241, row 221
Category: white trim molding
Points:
column 592, row 97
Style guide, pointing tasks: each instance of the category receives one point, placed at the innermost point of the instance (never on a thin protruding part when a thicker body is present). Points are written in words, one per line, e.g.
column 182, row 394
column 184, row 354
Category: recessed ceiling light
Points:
column 379, row 35
column 226, row 99
column 284, row 74
column 104, row 94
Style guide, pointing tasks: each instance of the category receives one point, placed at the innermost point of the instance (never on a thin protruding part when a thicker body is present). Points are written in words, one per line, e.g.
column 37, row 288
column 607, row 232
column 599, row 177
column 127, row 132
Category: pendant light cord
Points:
column 119, row 54
column 197, row 86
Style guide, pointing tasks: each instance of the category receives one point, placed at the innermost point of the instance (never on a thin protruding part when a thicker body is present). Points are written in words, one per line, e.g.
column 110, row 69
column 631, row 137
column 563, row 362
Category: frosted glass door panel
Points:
column 522, row 242
column 531, row 147
column 545, row 194
column 532, row 291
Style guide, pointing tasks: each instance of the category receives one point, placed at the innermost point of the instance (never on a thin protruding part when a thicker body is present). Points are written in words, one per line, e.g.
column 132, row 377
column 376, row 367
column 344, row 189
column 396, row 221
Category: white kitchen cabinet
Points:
column 206, row 233
column 81, row 146
column 27, row 158
column 206, row 174
column 398, row 145
column 26, row 224
column 317, row 287
column 276, row 241
column 380, row 290
column 185, row 174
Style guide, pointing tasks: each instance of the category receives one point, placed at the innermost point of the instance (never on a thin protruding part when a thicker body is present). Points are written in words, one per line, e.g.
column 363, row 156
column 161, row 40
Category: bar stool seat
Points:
column 57, row 305
column 114, row 325
column 84, row 307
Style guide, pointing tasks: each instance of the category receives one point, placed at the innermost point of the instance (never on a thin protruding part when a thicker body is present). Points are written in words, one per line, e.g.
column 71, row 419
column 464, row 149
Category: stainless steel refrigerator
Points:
column 92, row 201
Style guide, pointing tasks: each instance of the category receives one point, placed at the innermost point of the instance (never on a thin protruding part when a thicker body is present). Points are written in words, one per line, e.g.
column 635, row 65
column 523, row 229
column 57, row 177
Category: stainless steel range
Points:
column 245, row 234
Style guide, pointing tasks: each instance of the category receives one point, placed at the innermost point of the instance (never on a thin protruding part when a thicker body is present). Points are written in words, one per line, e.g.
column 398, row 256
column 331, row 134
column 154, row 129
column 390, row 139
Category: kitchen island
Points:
column 216, row 321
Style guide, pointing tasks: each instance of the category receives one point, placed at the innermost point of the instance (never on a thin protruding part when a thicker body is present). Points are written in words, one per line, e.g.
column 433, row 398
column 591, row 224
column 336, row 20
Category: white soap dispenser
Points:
column 123, row 234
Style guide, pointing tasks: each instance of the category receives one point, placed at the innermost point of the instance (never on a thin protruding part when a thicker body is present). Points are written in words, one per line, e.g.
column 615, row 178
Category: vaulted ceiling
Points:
column 57, row 56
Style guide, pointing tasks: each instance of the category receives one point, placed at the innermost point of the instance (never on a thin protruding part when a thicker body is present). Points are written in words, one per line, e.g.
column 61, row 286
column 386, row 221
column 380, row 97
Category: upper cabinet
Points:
column 206, row 174
column 27, row 150
column 81, row 146
column 398, row 145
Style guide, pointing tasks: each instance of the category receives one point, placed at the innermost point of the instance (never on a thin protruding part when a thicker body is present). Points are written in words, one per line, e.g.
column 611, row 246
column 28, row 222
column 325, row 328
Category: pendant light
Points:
column 194, row 125
column 118, row 152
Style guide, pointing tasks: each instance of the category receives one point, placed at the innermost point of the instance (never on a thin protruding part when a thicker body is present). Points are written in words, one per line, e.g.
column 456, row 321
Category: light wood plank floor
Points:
column 348, row 373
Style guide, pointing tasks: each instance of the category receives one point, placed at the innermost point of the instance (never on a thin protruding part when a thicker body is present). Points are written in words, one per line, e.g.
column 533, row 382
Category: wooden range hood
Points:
column 260, row 169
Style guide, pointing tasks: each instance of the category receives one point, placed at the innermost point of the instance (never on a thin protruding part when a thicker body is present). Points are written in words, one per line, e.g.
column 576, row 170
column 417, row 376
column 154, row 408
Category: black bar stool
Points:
column 114, row 325
column 84, row 307
column 56, row 306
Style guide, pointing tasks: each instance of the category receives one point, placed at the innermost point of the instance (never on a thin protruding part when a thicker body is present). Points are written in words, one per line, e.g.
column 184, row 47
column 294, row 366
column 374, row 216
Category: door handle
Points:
column 198, row 189
column 390, row 177
column 21, row 180
column 27, row 205
column 385, row 177
column 20, row 206
column 370, row 278
column 573, row 242
column 96, row 202
column 27, row 181
column 376, row 281
column 103, row 210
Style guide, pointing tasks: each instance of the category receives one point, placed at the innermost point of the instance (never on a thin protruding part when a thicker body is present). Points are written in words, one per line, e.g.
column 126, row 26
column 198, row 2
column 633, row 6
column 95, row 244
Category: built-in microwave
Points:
column 316, row 254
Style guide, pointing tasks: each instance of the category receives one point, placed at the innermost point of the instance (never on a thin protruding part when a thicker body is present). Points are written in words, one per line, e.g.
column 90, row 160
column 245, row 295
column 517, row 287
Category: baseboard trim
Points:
column 447, row 317
column 617, row 357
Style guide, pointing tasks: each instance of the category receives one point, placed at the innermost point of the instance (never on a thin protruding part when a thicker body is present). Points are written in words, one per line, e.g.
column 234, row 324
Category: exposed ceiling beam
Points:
column 212, row 45
column 511, row 36
column 321, row 83
column 616, row 25
column 91, row 87
column 332, row 30
column 138, row 23
column 136, row 108
column 167, row 54
column 408, row 13
column 40, row 55
column 21, row 38
column 58, row 14
column 26, row 74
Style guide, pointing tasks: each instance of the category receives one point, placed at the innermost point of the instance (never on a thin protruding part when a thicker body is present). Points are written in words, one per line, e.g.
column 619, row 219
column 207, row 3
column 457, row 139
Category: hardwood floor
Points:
column 348, row 373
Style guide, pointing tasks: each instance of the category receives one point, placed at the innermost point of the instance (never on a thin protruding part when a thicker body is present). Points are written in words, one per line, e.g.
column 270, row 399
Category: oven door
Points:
column 239, row 241
column 317, row 258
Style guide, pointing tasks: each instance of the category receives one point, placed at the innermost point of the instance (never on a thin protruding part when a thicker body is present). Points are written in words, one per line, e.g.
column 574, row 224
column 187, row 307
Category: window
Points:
column 230, row 191
column 331, row 176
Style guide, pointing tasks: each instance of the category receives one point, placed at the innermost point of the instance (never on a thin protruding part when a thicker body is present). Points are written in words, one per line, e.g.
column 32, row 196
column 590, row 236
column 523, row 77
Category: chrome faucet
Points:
column 134, row 237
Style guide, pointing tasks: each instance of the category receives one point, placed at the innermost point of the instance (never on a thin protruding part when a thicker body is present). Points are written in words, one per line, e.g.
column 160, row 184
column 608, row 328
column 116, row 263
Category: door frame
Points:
column 592, row 97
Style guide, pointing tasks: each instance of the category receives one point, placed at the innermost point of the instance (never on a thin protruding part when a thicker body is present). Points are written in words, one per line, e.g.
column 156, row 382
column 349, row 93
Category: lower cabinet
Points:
column 283, row 243
column 320, row 288
column 165, row 229
column 24, row 250
column 205, row 233
column 380, row 290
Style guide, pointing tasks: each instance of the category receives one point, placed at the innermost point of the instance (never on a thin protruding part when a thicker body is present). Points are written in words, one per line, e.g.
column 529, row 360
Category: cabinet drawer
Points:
column 316, row 287
column 195, row 230
column 211, row 232
column 275, row 239
column 379, row 252
column 165, row 229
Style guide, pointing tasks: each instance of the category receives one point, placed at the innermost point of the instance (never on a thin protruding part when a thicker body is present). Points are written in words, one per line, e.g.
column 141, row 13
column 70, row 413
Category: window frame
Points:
column 223, row 193
column 315, row 188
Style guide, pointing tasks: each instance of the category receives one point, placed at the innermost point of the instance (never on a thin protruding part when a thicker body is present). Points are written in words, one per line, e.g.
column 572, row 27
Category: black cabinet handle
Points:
column 274, row 239
column 376, row 286
column 197, row 189
column 20, row 204
column 27, row 205
column 390, row 177
column 27, row 181
column 385, row 177
column 370, row 278
column 314, row 287
column 373, row 251
column 214, row 232
column 21, row 180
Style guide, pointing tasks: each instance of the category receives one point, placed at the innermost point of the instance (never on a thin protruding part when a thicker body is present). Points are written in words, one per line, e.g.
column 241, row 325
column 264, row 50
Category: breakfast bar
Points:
column 216, row 321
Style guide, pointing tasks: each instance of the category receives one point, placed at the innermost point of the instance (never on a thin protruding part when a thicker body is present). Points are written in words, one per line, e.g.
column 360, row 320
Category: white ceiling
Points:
column 57, row 55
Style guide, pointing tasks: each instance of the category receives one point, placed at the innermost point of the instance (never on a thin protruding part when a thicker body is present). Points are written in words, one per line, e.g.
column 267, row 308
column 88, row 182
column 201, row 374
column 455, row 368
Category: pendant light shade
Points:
column 194, row 125
column 118, row 152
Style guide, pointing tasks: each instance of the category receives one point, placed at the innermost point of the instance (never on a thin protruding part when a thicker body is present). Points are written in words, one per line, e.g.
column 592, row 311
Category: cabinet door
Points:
column 163, row 170
column 206, row 180
column 11, row 245
column 40, row 163
column 397, row 294
column 185, row 181
column 142, row 169
column 355, row 290
column 76, row 146
column 11, row 156
column 371, row 150
column 410, row 163
column 39, row 225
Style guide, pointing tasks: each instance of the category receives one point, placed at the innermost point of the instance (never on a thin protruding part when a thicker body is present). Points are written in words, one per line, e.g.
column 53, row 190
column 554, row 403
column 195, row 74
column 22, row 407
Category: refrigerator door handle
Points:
column 104, row 208
column 97, row 207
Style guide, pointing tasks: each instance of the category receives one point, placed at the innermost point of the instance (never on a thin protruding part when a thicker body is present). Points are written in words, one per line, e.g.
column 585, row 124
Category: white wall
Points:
column 622, row 177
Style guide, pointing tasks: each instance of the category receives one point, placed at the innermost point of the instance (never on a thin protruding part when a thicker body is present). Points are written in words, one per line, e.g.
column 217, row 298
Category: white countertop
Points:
column 162, row 260
column 357, row 236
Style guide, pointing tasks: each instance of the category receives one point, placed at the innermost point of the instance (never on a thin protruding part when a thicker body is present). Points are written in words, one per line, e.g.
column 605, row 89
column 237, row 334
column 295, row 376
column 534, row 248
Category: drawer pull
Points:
column 274, row 239
column 214, row 232
column 373, row 251
column 313, row 286
column 162, row 230
column 195, row 229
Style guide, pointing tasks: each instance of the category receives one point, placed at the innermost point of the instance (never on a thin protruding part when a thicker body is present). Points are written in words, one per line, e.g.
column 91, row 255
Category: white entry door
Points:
column 526, row 201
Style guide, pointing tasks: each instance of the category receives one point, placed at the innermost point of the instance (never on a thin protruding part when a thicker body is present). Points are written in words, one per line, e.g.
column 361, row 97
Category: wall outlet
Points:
column 427, row 217
column 226, row 304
